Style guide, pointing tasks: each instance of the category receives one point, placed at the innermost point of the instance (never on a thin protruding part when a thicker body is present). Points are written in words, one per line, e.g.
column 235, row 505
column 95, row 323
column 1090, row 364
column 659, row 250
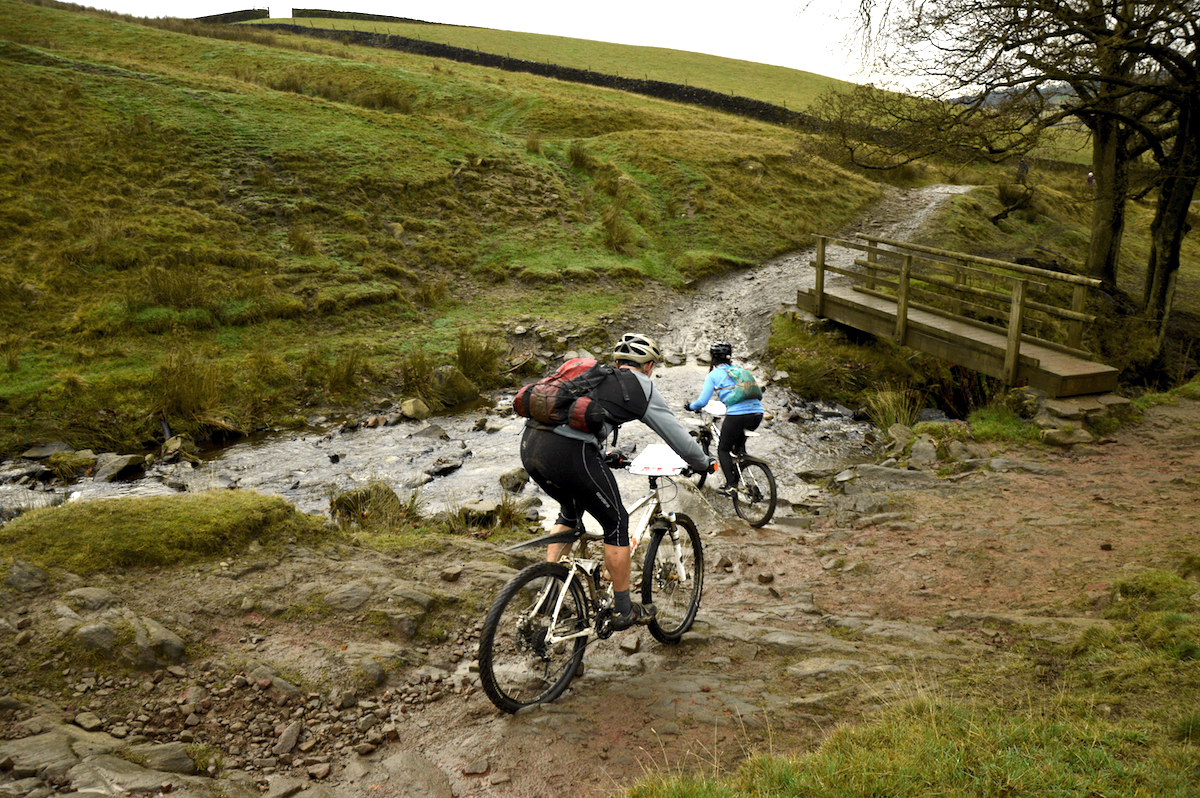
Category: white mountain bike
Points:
column 537, row 629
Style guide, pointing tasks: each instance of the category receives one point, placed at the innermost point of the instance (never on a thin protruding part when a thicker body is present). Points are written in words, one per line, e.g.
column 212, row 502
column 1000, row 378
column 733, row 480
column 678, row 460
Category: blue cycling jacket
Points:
column 719, row 382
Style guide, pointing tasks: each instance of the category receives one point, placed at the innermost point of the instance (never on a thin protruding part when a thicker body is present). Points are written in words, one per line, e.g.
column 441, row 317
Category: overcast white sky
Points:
column 801, row 34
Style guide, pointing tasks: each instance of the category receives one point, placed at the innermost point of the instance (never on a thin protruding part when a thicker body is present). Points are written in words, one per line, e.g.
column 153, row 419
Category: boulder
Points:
column 452, row 386
column 415, row 409
column 111, row 467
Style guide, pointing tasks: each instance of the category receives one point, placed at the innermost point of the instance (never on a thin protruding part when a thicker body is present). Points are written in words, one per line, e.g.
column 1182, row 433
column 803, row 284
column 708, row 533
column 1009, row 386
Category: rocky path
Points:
column 298, row 674
column 350, row 673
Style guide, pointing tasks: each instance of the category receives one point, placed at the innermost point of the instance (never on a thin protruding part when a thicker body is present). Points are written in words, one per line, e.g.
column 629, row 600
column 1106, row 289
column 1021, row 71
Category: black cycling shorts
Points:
column 574, row 475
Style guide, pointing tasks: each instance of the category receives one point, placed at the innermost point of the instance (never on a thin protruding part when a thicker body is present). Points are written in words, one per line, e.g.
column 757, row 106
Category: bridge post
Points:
column 1075, row 328
column 819, row 283
column 902, row 301
column 1016, row 317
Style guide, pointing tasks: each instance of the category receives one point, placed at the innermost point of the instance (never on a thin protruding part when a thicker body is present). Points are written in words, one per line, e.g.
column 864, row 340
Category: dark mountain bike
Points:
column 755, row 497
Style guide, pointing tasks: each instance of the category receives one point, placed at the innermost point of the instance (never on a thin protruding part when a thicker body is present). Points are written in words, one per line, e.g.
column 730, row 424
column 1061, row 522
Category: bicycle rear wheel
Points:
column 673, row 585
column 755, row 498
column 518, row 667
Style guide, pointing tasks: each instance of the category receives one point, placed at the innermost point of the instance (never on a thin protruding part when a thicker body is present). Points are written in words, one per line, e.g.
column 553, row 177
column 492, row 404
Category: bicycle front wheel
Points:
column 519, row 662
column 705, row 441
column 673, row 578
column 755, row 498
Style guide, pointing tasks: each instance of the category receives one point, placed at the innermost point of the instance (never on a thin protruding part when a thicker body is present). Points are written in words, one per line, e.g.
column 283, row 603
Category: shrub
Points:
column 479, row 359
column 11, row 348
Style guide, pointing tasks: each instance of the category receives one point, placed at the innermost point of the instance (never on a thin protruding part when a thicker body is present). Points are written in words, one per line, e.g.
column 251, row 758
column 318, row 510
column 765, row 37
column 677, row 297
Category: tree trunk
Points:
column 1110, row 191
column 1170, row 218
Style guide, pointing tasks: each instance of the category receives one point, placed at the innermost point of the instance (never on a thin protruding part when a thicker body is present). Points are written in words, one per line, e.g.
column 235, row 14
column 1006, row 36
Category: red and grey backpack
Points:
column 568, row 397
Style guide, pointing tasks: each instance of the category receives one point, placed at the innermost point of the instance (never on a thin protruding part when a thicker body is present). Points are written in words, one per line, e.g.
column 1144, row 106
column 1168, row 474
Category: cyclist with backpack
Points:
column 569, row 463
column 735, row 387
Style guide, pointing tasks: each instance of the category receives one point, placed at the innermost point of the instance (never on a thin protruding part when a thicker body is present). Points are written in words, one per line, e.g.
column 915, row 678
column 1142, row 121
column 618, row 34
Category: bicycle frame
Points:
column 647, row 509
column 708, row 426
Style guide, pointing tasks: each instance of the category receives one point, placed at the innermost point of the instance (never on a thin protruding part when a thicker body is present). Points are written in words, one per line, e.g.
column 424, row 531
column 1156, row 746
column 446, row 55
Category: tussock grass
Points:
column 888, row 407
column 479, row 359
column 87, row 537
column 11, row 348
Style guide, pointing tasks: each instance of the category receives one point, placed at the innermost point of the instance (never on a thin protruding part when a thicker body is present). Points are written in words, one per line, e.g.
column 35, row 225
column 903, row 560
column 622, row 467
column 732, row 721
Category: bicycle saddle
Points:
column 566, row 536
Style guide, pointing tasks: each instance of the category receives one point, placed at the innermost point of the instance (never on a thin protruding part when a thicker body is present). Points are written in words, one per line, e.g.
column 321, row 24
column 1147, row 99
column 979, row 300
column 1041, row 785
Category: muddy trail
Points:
column 304, row 674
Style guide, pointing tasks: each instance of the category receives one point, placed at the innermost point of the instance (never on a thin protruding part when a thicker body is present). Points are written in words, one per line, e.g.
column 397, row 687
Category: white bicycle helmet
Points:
column 637, row 349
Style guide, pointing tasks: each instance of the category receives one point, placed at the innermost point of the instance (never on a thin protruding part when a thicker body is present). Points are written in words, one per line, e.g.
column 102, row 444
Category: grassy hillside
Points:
column 214, row 230
column 789, row 88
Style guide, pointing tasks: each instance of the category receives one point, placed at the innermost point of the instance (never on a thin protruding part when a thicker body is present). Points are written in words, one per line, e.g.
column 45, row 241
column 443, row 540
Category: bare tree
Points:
column 1132, row 74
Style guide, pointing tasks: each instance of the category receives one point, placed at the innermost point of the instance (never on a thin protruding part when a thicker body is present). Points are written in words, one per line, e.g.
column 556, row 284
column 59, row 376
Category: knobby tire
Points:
column 676, row 597
column 516, row 667
column 705, row 443
column 755, row 498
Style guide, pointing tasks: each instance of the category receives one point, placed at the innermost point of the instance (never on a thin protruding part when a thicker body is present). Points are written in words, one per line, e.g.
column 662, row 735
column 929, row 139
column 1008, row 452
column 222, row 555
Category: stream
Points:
column 456, row 458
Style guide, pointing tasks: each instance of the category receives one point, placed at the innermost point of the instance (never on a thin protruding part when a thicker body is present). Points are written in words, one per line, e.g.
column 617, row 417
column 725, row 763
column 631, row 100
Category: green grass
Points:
column 929, row 748
column 1110, row 714
column 155, row 532
column 217, row 225
column 789, row 88
column 173, row 195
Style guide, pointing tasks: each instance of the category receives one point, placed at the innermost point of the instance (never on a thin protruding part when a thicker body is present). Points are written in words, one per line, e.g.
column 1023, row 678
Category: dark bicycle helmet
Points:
column 721, row 352
column 637, row 349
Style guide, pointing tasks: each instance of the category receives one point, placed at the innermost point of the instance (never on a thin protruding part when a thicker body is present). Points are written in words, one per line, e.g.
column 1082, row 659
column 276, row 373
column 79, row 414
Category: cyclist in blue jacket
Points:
column 740, row 418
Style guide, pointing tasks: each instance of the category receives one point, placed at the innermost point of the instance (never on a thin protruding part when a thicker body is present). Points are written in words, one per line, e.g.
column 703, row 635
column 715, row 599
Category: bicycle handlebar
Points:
column 615, row 459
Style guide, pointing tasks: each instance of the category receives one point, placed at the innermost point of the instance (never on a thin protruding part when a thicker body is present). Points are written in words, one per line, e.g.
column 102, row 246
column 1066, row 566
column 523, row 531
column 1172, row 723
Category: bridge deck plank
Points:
column 1058, row 373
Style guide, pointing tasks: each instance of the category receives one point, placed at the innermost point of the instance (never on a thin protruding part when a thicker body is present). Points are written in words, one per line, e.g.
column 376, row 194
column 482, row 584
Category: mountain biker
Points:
column 569, row 464
column 740, row 418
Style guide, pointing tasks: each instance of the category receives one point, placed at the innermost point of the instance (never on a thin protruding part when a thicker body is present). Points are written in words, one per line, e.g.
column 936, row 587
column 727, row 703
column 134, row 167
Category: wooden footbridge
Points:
column 1017, row 323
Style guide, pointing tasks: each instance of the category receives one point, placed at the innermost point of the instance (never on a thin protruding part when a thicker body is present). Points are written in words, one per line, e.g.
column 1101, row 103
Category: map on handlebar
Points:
column 657, row 460
column 714, row 408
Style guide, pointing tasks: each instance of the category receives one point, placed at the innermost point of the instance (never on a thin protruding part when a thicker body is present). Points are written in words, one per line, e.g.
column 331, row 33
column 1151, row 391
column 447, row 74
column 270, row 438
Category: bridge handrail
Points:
column 1050, row 310
column 1062, row 277
column 1019, row 279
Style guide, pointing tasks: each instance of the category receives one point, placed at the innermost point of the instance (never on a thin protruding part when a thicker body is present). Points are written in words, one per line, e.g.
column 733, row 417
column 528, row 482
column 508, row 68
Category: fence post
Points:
column 960, row 279
column 819, row 284
column 1016, row 317
column 872, row 257
column 902, row 301
column 1075, row 328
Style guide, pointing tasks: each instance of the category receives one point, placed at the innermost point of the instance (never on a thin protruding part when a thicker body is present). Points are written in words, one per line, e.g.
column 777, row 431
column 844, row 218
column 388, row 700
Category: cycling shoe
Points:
column 638, row 615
